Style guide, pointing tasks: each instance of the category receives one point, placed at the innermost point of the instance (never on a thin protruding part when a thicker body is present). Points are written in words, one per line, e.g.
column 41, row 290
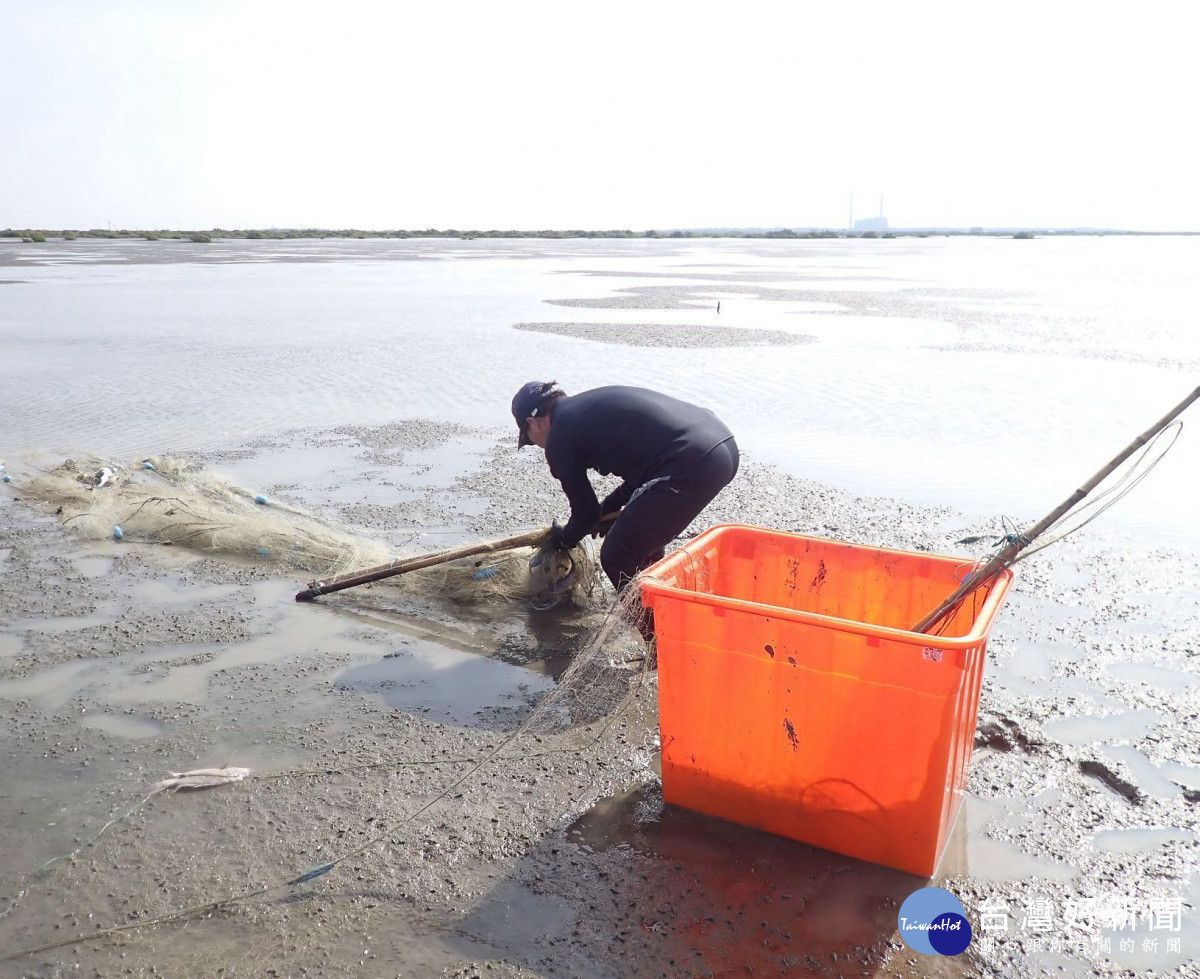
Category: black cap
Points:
column 525, row 404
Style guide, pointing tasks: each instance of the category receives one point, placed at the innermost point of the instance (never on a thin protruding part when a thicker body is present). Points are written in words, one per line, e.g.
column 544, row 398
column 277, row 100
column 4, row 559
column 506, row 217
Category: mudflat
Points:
column 378, row 729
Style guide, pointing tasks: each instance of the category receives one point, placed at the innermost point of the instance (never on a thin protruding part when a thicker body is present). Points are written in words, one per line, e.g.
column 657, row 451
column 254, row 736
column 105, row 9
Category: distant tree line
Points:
column 41, row 235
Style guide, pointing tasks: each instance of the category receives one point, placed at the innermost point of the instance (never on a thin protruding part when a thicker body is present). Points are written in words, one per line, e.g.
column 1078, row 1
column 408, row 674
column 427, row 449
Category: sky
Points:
column 655, row 114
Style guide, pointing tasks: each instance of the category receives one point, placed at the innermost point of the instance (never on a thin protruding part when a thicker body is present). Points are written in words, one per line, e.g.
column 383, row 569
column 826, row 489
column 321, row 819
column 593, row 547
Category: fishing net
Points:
column 177, row 502
column 174, row 501
column 160, row 501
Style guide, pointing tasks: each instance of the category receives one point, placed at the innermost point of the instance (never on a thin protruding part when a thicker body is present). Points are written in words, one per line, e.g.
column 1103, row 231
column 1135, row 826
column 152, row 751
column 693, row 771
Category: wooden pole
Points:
column 1008, row 553
column 402, row 565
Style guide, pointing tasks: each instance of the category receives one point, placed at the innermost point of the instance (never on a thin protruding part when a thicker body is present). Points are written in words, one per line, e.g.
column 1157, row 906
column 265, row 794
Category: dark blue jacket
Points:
column 633, row 433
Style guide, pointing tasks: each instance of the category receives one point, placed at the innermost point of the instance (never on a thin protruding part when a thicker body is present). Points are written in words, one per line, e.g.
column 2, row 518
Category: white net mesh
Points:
column 172, row 501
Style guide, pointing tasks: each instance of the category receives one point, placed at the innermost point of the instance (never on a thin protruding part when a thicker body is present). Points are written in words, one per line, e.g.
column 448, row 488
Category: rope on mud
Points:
column 42, row 871
column 617, row 614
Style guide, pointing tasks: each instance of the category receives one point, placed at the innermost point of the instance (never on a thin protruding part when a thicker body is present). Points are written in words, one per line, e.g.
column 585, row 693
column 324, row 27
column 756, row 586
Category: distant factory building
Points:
column 868, row 224
column 871, row 224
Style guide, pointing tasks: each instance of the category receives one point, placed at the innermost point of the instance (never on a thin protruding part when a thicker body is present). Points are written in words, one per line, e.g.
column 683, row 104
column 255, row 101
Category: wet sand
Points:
column 120, row 663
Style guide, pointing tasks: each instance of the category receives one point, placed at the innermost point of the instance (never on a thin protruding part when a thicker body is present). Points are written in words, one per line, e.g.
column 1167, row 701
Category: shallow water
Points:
column 989, row 374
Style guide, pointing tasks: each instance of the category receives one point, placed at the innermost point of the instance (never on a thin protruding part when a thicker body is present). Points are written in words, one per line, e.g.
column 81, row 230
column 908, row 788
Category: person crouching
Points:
column 673, row 458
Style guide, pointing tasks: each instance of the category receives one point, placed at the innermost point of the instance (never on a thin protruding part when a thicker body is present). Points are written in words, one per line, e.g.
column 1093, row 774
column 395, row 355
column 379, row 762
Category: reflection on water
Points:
column 720, row 895
column 444, row 684
column 93, row 566
column 997, row 860
column 1138, row 840
column 984, row 373
column 1084, row 728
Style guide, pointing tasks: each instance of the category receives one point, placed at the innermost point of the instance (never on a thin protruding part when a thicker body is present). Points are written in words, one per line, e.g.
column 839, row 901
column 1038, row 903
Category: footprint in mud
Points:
column 1102, row 773
column 1003, row 734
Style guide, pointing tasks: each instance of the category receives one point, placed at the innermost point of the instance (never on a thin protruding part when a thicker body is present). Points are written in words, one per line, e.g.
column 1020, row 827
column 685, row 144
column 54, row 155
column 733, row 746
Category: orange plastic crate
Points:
column 794, row 697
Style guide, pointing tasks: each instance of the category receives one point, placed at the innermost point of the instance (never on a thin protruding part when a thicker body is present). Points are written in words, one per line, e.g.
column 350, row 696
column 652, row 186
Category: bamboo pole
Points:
column 1009, row 552
column 402, row 565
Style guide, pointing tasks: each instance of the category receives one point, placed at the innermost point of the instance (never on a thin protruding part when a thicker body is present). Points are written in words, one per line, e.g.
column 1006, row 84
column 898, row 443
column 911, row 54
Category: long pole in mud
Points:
column 402, row 565
column 1018, row 543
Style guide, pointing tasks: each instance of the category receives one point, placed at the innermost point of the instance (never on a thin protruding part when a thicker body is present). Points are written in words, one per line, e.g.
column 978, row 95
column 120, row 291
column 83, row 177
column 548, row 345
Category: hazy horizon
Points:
column 140, row 114
column 634, row 232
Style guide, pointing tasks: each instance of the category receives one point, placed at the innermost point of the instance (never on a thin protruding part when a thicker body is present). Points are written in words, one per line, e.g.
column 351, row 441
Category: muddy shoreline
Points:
column 120, row 663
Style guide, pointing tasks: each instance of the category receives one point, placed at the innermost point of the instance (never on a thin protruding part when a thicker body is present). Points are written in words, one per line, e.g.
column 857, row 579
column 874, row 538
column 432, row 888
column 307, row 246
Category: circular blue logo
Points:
column 933, row 921
column 950, row 933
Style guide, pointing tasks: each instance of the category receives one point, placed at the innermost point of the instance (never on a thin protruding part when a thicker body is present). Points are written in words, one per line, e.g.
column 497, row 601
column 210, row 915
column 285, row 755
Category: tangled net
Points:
column 173, row 501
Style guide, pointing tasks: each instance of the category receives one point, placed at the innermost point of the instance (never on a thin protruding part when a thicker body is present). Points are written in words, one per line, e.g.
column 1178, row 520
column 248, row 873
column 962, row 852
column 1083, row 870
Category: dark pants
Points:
column 661, row 511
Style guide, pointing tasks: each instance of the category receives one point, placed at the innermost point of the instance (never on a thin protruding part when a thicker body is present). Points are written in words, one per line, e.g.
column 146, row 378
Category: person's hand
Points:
column 603, row 526
column 611, row 503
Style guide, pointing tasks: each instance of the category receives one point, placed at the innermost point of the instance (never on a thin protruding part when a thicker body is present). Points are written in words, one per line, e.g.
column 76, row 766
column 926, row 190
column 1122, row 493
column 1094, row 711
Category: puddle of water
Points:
column 443, row 684
column 1119, row 630
column 57, row 686
column 443, row 673
column 548, row 643
column 344, row 480
column 158, row 675
column 294, row 635
column 972, row 853
column 125, row 725
column 1086, row 728
column 10, row 645
column 408, row 625
column 1155, row 675
column 1032, row 664
column 93, row 566
column 435, row 467
column 1047, row 612
column 182, row 684
column 997, row 860
column 1146, row 774
column 336, row 473
column 1138, row 840
column 5, row 554
column 1186, row 775
column 165, row 592
column 620, row 821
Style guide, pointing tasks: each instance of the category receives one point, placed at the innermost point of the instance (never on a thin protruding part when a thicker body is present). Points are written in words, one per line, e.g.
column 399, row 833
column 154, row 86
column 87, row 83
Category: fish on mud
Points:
column 199, row 778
